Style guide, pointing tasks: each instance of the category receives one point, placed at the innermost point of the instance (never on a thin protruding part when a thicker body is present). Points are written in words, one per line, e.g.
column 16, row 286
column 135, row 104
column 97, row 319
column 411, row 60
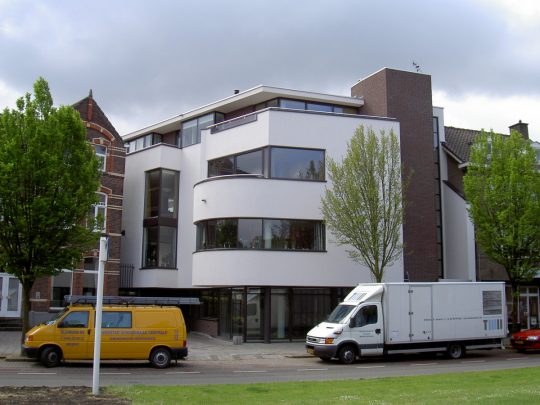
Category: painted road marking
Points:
column 29, row 373
column 311, row 369
column 518, row 358
column 369, row 366
column 183, row 372
column 250, row 371
column 115, row 373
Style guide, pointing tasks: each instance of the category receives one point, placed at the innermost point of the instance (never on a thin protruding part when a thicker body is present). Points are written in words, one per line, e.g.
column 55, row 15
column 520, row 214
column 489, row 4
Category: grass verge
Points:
column 514, row 386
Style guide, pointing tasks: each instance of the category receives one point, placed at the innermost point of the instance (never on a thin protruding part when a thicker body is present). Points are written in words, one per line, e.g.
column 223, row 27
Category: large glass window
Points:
column 292, row 234
column 285, row 163
column 221, row 167
column 253, row 233
column 160, row 219
column 304, row 164
column 191, row 130
column 250, row 163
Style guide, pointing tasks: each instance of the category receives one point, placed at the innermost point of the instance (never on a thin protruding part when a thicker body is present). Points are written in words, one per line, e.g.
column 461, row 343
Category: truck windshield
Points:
column 340, row 313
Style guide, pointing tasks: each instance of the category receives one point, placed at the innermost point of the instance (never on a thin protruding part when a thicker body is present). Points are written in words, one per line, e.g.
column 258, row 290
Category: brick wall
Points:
column 406, row 96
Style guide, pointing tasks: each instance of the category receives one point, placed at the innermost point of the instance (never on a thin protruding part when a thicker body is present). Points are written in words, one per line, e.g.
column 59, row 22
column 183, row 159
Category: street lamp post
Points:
column 103, row 253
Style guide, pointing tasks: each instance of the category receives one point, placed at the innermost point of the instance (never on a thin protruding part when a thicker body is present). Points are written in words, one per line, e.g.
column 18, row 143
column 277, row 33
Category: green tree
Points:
column 365, row 206
column 502, row 186
column 48, row 181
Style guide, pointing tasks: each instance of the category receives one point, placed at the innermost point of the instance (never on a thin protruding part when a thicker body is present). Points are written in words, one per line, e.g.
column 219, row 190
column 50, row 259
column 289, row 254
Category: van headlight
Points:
column 325, row 341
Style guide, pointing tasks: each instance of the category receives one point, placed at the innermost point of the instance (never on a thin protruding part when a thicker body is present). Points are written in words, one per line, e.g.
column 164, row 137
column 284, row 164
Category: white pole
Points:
column 103, row 247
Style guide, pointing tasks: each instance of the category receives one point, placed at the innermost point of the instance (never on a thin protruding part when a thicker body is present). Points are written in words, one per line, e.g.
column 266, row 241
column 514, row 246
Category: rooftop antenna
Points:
column 417, row 67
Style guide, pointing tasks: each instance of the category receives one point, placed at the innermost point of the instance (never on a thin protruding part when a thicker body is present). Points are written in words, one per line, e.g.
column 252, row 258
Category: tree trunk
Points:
column 515, row 308
column 26, row 310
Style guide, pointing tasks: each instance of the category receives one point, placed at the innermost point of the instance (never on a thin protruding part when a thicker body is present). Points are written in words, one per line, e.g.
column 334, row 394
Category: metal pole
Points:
column 103, row 246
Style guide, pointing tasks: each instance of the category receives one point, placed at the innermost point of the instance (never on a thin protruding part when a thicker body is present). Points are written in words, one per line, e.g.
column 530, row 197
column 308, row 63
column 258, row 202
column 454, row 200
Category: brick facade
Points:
column 99, row 131
column 406, row 96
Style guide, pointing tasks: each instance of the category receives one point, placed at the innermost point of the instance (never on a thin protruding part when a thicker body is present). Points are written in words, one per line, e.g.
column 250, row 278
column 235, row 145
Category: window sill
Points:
column 158, row 268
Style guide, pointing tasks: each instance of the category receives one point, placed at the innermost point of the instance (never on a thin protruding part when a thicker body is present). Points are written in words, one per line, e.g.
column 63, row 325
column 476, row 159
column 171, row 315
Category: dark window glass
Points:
column 152, row 194
column 250, row 163
column 303, row 164
column 249, row 233
column 76, row 319
column 279, row 234
column 116, row 319
column 221, row 167
column 366, row 316
column 292, row 104
column 150, row 252
column 159, row 246
column 169, row 194
column 189, row 133
column 319, row 107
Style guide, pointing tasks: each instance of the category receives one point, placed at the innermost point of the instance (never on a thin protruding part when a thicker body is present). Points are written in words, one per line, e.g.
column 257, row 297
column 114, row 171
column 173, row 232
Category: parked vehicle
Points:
column 528, row 339
column 379, row 319
column 129, row 332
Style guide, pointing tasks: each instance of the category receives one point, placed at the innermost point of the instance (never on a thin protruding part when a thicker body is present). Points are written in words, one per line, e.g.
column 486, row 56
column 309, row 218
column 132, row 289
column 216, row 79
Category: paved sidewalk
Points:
column 201, row 347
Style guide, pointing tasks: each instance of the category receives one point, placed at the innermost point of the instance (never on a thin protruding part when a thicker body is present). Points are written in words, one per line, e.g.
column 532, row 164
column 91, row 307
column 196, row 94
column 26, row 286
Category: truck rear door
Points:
column 421, row 311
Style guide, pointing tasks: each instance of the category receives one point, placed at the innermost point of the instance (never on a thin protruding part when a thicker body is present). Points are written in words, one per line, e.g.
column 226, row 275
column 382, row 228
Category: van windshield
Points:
column 57, row 316
column 340, row 313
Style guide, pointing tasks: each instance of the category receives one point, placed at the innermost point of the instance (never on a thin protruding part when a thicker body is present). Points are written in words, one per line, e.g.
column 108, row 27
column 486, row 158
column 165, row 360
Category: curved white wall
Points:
column 257, row 197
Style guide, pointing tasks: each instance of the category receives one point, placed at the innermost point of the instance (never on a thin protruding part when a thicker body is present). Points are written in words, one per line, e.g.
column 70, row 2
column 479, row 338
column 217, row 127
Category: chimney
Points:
column 522, row 128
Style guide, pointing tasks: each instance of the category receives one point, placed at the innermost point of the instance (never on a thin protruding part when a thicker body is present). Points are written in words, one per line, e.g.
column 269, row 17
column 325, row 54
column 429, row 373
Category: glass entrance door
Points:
column 528, row 307
column 10, row 296
column 255, row 314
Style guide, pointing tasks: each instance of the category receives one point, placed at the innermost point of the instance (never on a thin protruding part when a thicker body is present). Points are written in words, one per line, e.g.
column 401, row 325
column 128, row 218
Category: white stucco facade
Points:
column 246, row 196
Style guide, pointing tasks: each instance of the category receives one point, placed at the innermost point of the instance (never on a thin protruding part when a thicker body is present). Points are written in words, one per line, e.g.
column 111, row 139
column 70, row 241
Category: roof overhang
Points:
column 241, row 100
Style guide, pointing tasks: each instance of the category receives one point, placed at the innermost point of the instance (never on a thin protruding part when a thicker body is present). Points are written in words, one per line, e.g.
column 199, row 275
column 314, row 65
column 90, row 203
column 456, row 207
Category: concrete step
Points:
column 10, row 324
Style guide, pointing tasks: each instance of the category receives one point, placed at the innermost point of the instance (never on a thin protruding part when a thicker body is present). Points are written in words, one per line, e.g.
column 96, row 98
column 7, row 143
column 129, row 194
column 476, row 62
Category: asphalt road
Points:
column 300, row 368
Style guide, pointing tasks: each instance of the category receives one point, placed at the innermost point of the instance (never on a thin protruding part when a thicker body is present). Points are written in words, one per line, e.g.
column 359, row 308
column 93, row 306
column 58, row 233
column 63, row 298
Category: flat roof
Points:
column 244, row 99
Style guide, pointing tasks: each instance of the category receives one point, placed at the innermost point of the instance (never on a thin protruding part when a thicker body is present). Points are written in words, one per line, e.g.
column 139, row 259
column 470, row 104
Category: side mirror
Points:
column 352, row 323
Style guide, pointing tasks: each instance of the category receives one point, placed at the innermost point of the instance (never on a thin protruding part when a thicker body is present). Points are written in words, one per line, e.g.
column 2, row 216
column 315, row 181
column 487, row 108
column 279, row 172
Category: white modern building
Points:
column 223, row 202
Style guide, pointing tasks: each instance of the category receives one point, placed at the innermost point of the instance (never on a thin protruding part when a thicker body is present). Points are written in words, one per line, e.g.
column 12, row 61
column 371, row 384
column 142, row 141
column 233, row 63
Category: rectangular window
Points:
column 221, row 167
column 257, row 233
column 116, row 319
column 492, row 302
column 191, row 130
column 320, row 107
column 161, row 219
column 249, row 233
column 292, row 104
column 189, row 133
column 101, row 153
column 249, row 163
column 301, row 164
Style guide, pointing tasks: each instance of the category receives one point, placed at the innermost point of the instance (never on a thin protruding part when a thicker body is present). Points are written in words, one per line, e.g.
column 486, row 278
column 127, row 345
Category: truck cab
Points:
column 354, row 328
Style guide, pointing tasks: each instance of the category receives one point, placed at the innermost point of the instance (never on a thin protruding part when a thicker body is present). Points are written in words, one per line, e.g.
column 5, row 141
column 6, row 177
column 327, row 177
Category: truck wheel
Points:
column 455, row 351
column 347, row 354
column 50, row 356
column 160, row 357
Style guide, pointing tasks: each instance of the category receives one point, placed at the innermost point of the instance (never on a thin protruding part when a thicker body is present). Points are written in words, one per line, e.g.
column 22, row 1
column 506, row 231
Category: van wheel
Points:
column 347, row 354
column 160, row 357
column 50, row 357
column 455, row 351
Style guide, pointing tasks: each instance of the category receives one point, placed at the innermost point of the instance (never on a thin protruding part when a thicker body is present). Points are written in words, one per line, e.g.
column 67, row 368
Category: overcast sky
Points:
column 147, row 61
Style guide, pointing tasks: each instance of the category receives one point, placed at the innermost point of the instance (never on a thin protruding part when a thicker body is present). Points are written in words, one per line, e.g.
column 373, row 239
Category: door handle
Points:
column 377, row 331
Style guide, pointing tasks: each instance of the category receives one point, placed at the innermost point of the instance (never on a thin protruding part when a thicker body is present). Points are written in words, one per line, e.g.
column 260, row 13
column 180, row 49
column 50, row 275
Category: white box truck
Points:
column 388, row 318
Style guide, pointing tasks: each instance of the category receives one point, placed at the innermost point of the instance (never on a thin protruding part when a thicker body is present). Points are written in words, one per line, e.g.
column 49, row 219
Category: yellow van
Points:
column 129, row 332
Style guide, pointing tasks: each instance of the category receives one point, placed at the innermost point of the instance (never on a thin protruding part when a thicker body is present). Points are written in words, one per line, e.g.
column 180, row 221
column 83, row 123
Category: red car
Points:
column 526, row 339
